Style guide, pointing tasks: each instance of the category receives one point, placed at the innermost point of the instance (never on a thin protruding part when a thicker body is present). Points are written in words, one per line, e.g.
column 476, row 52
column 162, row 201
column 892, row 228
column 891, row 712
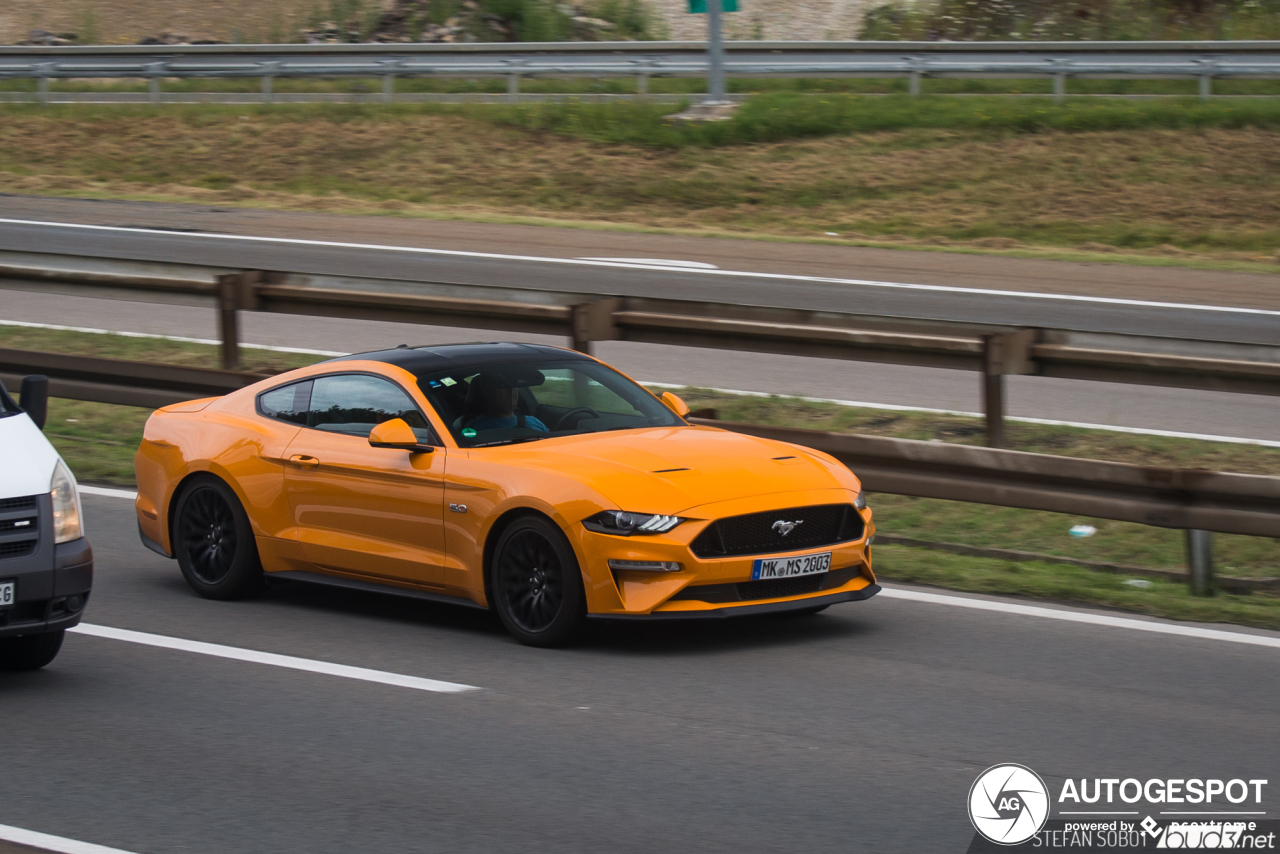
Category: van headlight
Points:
column 67, row 518
column 625, row 524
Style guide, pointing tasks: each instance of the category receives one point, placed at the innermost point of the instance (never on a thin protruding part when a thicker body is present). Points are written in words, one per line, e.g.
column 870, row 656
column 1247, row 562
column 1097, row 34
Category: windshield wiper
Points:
column 519, row 440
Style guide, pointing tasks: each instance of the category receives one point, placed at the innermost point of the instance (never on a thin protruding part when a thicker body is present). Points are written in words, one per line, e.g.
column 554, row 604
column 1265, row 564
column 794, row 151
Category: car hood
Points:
column 670, row 470
column 28, row 458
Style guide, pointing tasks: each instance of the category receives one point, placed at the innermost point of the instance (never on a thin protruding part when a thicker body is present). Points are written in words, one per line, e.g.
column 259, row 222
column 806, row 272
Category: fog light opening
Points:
column 645, row 566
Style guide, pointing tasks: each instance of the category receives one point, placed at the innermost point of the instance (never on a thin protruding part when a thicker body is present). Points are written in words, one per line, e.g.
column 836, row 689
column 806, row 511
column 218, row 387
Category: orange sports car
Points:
column 533, row 480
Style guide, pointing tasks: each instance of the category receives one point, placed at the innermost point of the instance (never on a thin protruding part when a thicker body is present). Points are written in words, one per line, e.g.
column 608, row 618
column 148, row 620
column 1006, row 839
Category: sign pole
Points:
column 715, row 53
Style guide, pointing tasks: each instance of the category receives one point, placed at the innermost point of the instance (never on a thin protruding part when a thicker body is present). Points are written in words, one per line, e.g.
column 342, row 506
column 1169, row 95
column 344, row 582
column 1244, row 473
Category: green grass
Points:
column 765, row 118
column 99, row 440
column 779, row 117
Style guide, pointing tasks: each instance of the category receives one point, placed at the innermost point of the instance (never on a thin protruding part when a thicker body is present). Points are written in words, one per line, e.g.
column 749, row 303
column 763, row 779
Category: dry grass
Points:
column 1213, row 191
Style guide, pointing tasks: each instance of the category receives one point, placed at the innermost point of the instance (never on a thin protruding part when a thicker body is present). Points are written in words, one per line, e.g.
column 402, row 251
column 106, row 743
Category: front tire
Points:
column 213, row 542
column 29, row 652
column 537, row 583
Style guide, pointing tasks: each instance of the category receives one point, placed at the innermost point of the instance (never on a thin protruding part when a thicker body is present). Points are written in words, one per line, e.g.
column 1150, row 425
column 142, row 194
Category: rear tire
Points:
column 30, row 652
column 213, row 542
column 537, row 583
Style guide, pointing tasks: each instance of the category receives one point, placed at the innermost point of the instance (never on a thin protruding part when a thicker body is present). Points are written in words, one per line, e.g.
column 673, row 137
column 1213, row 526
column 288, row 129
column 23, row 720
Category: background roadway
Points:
column 1246, row 416
column 859, row 730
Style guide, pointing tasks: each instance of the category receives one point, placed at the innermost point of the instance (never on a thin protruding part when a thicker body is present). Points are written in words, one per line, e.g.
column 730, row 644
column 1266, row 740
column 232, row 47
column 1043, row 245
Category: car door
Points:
column 360, row 510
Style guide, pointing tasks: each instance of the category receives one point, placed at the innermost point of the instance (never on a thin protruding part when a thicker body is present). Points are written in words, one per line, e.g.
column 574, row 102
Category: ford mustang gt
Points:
column 532, row 480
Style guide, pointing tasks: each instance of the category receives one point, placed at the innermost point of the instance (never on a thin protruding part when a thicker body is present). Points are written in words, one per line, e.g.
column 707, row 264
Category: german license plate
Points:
column 6, row 594
column 790, row 567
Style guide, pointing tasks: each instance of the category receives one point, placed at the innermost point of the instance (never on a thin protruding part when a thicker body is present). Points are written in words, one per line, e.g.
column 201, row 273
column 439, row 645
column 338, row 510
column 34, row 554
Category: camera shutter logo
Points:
column 1008, row 804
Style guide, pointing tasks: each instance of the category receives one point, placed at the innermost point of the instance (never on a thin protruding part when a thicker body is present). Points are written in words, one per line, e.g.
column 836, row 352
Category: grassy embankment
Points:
column 1166, row 181
column 98, row 441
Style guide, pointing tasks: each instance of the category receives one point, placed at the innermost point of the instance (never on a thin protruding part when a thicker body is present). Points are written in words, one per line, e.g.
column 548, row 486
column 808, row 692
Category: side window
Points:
column 353, row 404
column 288, row 403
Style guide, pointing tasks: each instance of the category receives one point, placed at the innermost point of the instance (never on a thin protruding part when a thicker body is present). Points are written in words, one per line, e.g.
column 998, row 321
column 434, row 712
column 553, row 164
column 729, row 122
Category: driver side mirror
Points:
column 399, row 435
column 35, row 398
column 675, row 404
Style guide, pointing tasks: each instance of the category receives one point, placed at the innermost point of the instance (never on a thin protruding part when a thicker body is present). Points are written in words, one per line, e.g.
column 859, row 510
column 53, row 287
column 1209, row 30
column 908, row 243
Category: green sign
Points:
column 699, row 7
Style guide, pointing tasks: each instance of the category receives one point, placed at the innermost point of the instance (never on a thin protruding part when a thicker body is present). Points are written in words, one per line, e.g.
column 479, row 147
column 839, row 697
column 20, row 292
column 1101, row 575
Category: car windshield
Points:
column 7, row 406
column 527, row 401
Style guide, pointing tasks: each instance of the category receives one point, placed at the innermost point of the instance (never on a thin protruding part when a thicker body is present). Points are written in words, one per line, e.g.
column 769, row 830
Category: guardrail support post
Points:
column 593, row 321
column 913, row 84
column 1200, row 562
column 1059, row 87
column 513, row 87
column 1206, row 86
column 266, row 88
column 153, row 90
column 235, row 292
column 43, row 71
column 1002, row 353
column 388, row 88
column 642, row 84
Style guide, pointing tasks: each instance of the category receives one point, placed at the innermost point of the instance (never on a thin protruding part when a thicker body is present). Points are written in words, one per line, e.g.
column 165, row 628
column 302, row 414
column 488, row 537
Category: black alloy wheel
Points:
column 213, row 542
column 537, row 584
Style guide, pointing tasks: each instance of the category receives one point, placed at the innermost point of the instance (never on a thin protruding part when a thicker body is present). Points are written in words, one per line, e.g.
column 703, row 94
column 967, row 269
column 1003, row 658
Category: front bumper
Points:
column 753, row 609
column 52, row 599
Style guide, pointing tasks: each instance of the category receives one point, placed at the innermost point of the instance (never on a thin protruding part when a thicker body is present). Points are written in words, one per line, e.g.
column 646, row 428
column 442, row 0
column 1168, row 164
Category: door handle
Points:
column 304, row 460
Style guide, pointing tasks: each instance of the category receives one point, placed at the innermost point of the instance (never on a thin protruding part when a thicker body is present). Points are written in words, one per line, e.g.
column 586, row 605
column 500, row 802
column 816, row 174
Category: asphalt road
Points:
column 858, row 730
column 1246, row 416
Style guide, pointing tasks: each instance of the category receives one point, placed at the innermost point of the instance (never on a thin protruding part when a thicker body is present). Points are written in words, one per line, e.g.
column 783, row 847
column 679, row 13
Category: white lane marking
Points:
column 107, row 492
column 894, row 407
column 270, row 658
column 540, row 259
column 210, row 341
column 18, row 836
column 661, row 262
column 1081, row 617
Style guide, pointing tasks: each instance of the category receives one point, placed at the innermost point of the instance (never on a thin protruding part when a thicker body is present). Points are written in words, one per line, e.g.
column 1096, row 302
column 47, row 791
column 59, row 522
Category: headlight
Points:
column 645, row 565
column 67, row 525
column 860, row 502
column 625, row 524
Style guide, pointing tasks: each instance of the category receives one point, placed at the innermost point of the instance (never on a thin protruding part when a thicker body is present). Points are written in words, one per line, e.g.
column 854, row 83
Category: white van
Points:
column 46, row 565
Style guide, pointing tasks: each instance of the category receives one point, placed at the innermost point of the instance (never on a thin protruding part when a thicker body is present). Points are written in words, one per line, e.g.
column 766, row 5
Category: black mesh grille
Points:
column 755, row 533
column 27, row 503
column 776, row 588
column 19, row 526
column 18, row 549
column 750, row 591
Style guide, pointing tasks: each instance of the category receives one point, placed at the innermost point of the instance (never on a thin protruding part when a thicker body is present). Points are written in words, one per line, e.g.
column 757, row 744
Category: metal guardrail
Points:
column 1196, row 500
column 990, row 350
column 1202, row 61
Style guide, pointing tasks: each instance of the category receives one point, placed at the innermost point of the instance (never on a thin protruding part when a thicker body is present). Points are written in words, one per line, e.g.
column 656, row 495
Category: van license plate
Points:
column 6, row 593
column 790, row 567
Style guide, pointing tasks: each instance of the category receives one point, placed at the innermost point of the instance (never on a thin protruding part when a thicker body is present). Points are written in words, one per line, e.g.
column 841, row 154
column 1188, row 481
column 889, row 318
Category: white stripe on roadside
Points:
column 1080, row 617
column 107, row 492
column 289, row 662
column 31, row 838
column 542, row 259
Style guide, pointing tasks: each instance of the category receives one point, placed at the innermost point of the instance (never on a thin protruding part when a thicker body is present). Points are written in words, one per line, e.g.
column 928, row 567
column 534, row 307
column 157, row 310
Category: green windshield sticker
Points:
column 468, row 432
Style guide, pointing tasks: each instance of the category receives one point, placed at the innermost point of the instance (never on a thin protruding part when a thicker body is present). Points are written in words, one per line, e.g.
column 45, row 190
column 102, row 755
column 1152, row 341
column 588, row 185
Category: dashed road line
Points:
column 48, row 842
column 272, row 659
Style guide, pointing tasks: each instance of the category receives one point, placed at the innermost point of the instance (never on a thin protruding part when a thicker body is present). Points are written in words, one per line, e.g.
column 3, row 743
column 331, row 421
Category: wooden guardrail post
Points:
column 593, row 321
column 1002, row 353
column 236, row 291
column 1200, row 562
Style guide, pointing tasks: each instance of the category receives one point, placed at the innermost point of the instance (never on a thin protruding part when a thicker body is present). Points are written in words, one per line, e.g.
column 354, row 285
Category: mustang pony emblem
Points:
column 783, row 528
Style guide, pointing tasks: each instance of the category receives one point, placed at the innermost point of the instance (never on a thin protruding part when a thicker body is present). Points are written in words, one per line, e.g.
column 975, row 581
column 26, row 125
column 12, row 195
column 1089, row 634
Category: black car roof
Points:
column 424, row 360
